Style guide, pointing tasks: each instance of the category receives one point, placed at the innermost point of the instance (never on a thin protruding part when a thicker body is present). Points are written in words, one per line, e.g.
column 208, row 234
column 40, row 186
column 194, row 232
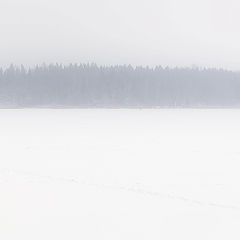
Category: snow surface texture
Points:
column 119, row 174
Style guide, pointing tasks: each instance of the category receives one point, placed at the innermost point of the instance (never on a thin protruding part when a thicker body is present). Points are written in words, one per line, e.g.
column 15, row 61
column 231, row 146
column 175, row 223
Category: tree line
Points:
column 90, row 85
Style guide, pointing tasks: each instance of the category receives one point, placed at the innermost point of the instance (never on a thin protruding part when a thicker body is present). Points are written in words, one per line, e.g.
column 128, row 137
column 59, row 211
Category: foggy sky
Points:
column 137, row 32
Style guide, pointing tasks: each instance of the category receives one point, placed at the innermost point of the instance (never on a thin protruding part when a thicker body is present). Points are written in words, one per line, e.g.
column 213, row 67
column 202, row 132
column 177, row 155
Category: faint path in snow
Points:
column 24, row 176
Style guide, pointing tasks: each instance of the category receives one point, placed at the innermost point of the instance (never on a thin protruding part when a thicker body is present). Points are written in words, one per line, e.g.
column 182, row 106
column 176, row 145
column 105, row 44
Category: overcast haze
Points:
column 153, row 32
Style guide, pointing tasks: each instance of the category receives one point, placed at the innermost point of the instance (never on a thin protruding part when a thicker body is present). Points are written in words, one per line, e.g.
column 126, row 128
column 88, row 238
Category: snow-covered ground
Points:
column 119, row 174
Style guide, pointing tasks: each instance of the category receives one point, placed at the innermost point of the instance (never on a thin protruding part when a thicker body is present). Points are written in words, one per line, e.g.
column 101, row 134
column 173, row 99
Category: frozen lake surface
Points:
column 119, row 174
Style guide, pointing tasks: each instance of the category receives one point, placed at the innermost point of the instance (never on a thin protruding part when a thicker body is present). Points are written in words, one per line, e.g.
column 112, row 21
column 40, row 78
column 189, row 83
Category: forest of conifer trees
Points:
column 89, row 85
